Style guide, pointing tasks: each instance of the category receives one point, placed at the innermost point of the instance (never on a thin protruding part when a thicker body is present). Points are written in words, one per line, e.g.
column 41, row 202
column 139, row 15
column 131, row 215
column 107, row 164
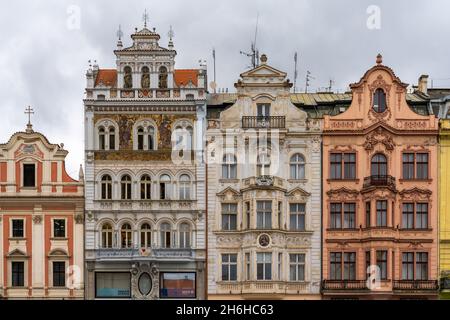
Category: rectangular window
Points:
column 29, row 175
column 229, row 267
column 247, row 266
column 408, row 216
column 17, row 228
column 408, row 266
column 367, row 264
column 408, row 166
column 349, row 265
column 280, row 261
column 280, row 213
column 382, row 263
column 297, row 267
column 229, row 216
column 342, row 166
column 247, row 215
column 59, row 228
column 421, row 266
column 113, row 285
column 264, row 266
column 297, row 214
column 381, row 213
column 59, row 274
column 422, row 165
column 179, row 285
column 263, row 110
column 264, row 214
column 349, row 215
column 336, row 166
column 421, row 215
column 349, row 165
column 415, row 166
column 17, row 273
column 335, row 215
column 335, row 265
column 368, row 211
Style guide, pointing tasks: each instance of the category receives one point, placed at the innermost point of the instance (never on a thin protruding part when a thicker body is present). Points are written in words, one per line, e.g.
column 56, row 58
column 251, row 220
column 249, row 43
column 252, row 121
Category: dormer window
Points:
column 145, row 78
column 127, row 78
column 29, row 175
column 162, row 78
column 263, row 110
column 379, row 101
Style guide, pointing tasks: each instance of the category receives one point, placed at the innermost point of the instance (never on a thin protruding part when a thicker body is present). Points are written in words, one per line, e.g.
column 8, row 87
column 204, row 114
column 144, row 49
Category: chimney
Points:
column 423, row 83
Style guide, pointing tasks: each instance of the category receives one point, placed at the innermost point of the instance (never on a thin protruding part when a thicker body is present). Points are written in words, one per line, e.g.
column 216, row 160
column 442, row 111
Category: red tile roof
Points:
column 182, row 77
column 107, row 77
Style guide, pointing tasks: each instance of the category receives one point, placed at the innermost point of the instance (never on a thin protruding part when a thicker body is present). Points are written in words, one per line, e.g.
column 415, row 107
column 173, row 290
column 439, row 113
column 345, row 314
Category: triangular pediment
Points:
column 263, row 71
column 228, row 191
column 58, row 253
column 17, row 253
column 297, row 191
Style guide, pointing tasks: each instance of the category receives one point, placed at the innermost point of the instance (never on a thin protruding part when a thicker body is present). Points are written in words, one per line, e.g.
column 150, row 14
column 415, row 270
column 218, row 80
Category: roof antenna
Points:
column 295, row 71
column 309, row 77
column 254, row 53
column 330, row 86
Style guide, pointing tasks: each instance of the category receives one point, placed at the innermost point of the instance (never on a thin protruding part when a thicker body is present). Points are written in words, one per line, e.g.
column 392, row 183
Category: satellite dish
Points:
column 213, row 85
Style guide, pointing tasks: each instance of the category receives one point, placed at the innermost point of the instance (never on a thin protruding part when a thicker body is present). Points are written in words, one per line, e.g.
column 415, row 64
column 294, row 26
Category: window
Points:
column 382, row 263
column 342, row 215
column 59, row 274
column 151, row 138
column 367, row 264
column 17, row 228
column 140, row 138
column 29, row 175
column 263, row 110
column 280, row 262
column 112, row 138
column 381, row 213
column 421, row 215
column 166, row 235
column 229, row 267
column 297, row 267
column 101, row 139
column 343, row 166
column 107, row 233
column 368, row 214
column 263, row 165
column 146, row 187
column 417, row 219
column 379, row 101
column 164, row 187
column 125, row 187
column 106, row 186
column 181, row 285
column 127, row 78
column 421, row 265
column 297, row 165
column 379, row 165
column 185, row 187
column 408, row 216
column 113, row 284
column 297, row 216
column 146, row 236
column 335, row 265
column 264, row 214
column 247, row 266
column 145, row 77
column 229, row 216
column 247, row 214
column 162, row 84
column 17, row 273
column 229, row 167
column 126, row 236
column 415, row 166
column 280, row 213
column 59, row 228
column 185, row 236
column 349, row 265
column 408, row 266
column 264, row 266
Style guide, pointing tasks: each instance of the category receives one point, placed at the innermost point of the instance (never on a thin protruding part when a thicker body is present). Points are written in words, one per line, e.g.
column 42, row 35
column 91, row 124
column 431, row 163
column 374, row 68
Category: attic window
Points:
column 379, row 101
column 29, row 177
column 101, row 97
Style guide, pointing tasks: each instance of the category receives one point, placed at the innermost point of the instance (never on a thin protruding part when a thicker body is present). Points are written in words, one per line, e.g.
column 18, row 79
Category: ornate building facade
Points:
column 380, row 208
column 263, row 193
column 41, row 221
column 145, row 178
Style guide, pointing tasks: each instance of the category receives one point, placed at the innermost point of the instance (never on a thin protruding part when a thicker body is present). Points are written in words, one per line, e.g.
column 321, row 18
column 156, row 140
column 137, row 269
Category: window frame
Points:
column 340, row 167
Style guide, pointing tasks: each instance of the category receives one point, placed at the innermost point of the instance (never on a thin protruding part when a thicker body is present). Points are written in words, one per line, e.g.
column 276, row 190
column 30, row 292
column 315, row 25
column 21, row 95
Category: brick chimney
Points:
column 423, row 83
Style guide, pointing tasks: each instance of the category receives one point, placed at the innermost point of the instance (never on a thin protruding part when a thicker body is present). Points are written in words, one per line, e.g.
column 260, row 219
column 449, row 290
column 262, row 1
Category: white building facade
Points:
column 145, row 176
column 264, row 193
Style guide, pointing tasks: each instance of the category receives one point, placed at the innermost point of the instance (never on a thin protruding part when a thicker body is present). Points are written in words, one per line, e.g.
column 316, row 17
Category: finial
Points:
column 379, row 59
column 29, row 111
column 145, row 18
column 81, row 173
column 120, row 33
column 263, row 59
column 171, row 34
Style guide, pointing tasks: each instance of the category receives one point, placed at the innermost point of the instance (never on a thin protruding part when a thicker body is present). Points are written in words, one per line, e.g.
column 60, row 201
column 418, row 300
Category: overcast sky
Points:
column 44, row 55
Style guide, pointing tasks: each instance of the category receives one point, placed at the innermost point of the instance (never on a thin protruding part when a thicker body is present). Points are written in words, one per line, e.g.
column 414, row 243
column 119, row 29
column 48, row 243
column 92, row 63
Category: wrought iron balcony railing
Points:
column 379, row 181
column 414, row 285
column 274, row 122
column 344, row 285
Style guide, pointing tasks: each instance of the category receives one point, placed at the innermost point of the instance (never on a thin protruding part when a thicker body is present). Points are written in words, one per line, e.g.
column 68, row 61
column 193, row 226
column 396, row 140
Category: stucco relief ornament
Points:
column 264, row 240
column 37, row 219
column 378, row 136
column 79, row 219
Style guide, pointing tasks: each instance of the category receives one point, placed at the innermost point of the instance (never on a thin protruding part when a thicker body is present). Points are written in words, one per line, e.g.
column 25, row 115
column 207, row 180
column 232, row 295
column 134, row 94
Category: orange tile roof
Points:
column 182, row 77
column 107, row 77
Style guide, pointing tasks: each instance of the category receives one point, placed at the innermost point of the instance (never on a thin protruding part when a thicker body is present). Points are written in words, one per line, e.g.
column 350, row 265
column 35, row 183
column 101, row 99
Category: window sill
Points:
column 297, row 180
column 59, row 238
column 228, row 180
column 416, row 229
column 415, row 180
column 17, row 238
column 343, row 180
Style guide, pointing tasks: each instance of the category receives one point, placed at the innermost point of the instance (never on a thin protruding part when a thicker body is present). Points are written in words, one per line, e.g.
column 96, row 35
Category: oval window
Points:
column 145, row 284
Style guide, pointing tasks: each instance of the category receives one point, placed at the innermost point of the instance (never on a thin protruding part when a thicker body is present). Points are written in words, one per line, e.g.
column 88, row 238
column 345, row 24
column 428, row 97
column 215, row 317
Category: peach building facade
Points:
column 41, row 221
column 380, row 194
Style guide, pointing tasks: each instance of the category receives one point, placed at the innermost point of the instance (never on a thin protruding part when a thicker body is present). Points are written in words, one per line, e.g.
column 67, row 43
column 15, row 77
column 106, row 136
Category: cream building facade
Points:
column 264, row 190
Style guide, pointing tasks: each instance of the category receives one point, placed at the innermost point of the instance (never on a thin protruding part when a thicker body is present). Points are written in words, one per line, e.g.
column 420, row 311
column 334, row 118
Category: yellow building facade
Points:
column 444, row 215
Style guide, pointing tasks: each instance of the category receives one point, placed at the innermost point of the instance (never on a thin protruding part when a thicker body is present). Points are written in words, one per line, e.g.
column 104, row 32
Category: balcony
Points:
column 263, row 181
column 379, row 181
column 416, row 285
column 252, row 288
column 344, row 285
column 117, row 254
column 275, row 122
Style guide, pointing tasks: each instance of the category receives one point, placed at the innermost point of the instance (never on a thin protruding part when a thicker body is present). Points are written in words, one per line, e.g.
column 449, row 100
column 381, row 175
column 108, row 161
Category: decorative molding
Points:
column 37, row 219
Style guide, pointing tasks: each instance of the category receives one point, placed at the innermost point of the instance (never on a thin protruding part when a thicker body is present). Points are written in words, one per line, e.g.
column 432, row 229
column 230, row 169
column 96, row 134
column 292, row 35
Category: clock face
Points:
column 264, row 240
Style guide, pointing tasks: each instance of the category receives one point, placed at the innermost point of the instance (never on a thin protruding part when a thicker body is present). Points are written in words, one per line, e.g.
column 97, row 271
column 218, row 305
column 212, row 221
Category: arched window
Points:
column 145, row 77
column 379, row 165
column 126, row 236
column 101, row 138
column 297, row 165
column 185, row 235
column 151, row 138
column 127, row 77
column 125, row 187
column 190, row 138
column 146, row 236
column 229, row 167
column 112, row 138
column 166, row 235
column 106, row 186
column 107, row 233
column 140, row 136
column 185, row 187
column 162, row 78
column 263, row 164
column 146, row 187
column 379, row 100
column 164, row 187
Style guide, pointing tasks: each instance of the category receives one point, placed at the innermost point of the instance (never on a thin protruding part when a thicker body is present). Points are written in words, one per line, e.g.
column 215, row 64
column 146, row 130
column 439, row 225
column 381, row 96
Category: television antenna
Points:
column 309, row 77
column 254, row 53
column 295, row 71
